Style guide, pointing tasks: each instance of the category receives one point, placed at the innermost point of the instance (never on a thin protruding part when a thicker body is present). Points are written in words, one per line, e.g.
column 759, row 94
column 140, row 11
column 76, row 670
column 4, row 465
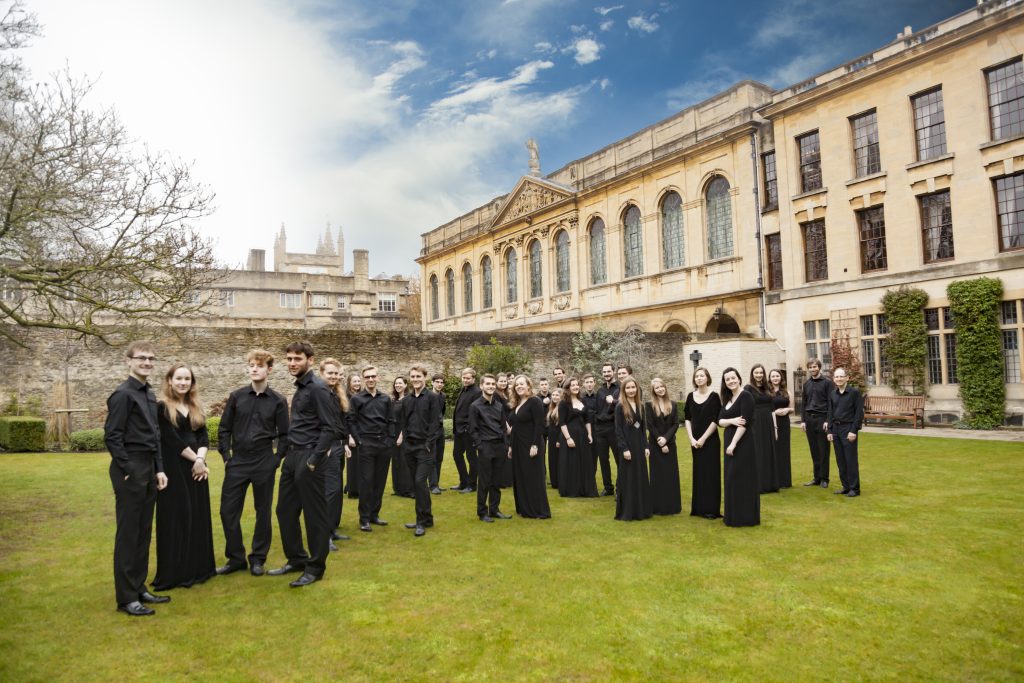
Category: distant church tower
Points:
column 341, row 249
column 280, row 249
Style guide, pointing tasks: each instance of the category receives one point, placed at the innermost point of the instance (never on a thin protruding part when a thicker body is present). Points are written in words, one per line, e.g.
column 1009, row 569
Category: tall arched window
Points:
column 536, row 270
column 449, row 284
column 562, row 261
column 435, row 307
column 632, row 242
column 719, row 212
column 511, row 277
column 598, row 272
column 485, row 266
column 672, row 231
column 467, row 288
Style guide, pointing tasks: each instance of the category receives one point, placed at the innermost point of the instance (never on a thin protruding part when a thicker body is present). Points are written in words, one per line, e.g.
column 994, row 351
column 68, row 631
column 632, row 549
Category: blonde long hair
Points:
column 190, row 400
column 552, row 416
column 339, row 388
column 513, row 398
column 662, row 405
column 627, row 410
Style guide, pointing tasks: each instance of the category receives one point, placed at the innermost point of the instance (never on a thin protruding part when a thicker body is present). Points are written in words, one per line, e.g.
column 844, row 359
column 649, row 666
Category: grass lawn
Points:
column 919, row 578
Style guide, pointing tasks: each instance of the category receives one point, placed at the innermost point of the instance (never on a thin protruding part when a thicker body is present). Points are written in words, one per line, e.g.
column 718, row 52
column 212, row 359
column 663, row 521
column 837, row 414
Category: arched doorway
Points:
column 722, row 323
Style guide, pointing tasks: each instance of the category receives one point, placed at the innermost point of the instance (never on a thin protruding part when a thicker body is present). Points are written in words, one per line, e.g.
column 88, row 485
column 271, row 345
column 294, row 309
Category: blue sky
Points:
column 389, row 117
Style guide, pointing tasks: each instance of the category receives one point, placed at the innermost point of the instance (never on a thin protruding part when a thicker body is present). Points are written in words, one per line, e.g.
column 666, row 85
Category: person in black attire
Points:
column 184, row 530
column 132, row 436
column 442, row 402
column 369, row 412
column 662, row 424
column 590, row 398
column 742, row 494
column 559, row 374
column 463, row 442
column 843, row 421
column 253, row 417
column 331, row 374
column 604, row 427
column 575, row 431
column 401, row 475
column 763, row 430
column 526, row 446
column 352, row 387
column 703, row 406
column 501, row 394
column 782, row 405
column 633, row 500
column 489, row 431
column 815, row 407
column 418, row 424
column 315, row 425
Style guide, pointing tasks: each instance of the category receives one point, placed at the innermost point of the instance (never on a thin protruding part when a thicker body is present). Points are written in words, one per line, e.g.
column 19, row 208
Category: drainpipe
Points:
column 757, row 230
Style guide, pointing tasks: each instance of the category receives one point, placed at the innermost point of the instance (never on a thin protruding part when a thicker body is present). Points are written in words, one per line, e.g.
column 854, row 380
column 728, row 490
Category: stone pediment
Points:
column 529, row 196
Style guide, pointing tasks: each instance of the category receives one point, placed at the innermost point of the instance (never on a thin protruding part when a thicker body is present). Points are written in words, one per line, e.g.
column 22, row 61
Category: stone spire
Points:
column 341, row 250
column 328, row 241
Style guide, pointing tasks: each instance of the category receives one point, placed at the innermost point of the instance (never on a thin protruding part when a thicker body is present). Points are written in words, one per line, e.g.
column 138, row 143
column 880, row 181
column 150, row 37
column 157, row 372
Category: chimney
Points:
column 257, row 260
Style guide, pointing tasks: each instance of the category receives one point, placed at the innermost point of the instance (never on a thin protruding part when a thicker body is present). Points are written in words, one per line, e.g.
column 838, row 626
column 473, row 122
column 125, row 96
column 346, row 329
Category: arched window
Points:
column 632, row 242
column 562, row 261
column 719, row 212
column 511, row 277
column 435, row 307
column 467, row 288
column 598, row 272
column 449, row 283
column 672, row 231
column 536, row 270
column 485, row 266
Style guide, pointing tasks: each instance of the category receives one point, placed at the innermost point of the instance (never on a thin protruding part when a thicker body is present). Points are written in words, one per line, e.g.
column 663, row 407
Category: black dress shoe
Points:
column 607, row 492
column 501, row 515
column 411, row 525
column 813, row 482
column 365, row 526
column 304, row 580
column 456, row 488
column 824, row 483
column 147, row 597
column 135, row 609
column 420, row 531
column 257, row 569
column 852, row 494
column 285, row 569
column 486, row 518
column 228, row 569
column 841, row 492
column 335, row 536
column 378, row 521
column 469, row 489
column 436, row 491
column 333, row 548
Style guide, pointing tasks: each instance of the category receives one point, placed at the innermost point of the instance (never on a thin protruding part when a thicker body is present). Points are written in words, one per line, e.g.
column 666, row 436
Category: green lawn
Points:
column 919, row 578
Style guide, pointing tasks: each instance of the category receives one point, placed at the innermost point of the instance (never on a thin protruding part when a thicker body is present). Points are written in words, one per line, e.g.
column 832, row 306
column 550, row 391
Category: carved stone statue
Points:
column 531, row 145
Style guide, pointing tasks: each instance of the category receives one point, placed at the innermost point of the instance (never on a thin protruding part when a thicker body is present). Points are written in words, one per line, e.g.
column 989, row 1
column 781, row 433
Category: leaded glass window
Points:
column 598, row 271
column 536, row 270
column 467, row 288
column 511, row 277
column 435, row 306
column 562, row 261
column 449, row 282
column 719, row 211
column 672, row 231
column 632, row 242
column 485, row 266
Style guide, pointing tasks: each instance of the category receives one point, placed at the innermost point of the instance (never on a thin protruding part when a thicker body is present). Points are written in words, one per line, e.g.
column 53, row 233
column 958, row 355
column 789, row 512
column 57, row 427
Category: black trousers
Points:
column 492, row 457
column 435, row 474
column 846, row 456
column 303, row 492
column 419, row 458
column 463, row 444
column 604, row 441
column 333, row 484
column 241, row 472
column 352, row 483
column 374, row 459
column 134, row 500
column 817, row 441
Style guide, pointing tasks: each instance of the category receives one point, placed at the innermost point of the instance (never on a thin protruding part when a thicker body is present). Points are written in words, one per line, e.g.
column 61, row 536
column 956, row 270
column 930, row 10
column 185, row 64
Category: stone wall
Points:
column 217, row 358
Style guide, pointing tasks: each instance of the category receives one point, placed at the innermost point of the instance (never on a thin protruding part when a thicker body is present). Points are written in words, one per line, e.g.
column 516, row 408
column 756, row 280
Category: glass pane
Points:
column 719, row 216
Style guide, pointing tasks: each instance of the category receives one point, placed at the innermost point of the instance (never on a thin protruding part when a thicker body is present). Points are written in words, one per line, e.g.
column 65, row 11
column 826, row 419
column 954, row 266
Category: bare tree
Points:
column 96, row 232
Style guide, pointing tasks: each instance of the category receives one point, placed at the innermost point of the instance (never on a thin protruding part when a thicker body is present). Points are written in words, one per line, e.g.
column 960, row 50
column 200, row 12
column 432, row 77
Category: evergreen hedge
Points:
column 22, row 433
column 907, row 346
column 88, row 440
column 979, row 350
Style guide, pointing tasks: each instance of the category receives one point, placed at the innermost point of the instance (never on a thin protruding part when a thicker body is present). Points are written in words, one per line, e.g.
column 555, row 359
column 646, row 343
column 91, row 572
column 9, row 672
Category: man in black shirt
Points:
column 418, row 424
column 844, row 419
column 489, row 434
column 438, row 448
column 315, row 425
column 132, row 435
column 815, row 406
column 253, row 417
column 604, row 427
column 369, row 413
column 463, row 443
column 559, row 374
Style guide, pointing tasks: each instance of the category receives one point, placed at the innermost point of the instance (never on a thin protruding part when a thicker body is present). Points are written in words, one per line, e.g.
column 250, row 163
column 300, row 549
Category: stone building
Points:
column 781, row 215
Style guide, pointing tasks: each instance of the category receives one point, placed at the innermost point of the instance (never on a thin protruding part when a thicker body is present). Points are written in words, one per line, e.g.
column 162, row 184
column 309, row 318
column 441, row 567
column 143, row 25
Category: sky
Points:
column 391, row 117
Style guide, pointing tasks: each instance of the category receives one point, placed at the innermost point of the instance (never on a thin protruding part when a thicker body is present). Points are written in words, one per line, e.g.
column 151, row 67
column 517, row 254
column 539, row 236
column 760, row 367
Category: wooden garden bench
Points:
column 900, row 408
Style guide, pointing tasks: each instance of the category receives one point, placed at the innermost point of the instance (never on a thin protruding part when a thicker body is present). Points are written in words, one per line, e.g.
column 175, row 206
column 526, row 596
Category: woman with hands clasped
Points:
column 742, row 495
column 662, row 423
column 782, row 403
column 526, row 417
column 633, row 491
column 575, row 462
column 700, row 413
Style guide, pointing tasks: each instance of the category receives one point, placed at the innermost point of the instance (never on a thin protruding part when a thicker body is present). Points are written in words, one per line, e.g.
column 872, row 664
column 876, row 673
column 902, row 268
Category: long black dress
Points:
column 664, row 466
column 742, row 499
column 553, row 442
column 706, row 491
column 529, row 487
column 763, row 429
column 576, row 465
column 633, row 489
column 401, row 476
column 184, row 530
column 783, row 466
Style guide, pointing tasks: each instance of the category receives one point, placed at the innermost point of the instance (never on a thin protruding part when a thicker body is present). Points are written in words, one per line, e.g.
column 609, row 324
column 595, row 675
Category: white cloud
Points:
column 587, row 50
column 604, row 11
column 544, row 47
column 578, row 28
column 605, row 84
column 642, row 23
column 607, row 25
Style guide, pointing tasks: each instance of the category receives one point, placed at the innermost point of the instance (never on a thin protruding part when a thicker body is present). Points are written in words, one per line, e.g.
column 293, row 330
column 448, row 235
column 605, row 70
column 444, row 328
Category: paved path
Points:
column 950, row 433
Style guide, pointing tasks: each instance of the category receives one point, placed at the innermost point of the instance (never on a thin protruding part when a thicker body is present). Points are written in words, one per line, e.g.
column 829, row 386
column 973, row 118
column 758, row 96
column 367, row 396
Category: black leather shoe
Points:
column 365, row 526
column 607, row 492
column 420, row 531
column 335, row 536
column 852, row 494
column 456, row 488
column 841, row 492
column 378, row 521
column 824, row 483
column 333, row 548
column 411, row 525
column 286, row 569
column 257, row 569
column 469, row 489
column 436, row 491
column 151, row 599
column 304, row 580
column 486, row 518
column 501, row 515
column 813, row 482
column 228, row 569
column 136, row 609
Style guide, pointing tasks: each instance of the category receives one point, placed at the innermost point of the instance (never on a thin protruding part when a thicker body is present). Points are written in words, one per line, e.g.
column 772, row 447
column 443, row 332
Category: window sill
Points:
column 808, row 193
column 866, row 178
column 769, row 209
column 938, row 261
column 1002, row 141
column 919, row 164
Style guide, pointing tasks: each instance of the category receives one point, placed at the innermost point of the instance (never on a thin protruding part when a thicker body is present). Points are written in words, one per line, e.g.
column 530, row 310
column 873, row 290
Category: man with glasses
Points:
column 369, row 412
column 132, row 435
column 843, row 421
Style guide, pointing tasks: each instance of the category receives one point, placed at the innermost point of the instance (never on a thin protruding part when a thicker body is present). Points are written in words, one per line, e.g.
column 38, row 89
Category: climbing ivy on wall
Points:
column 979, row 350
column 907, row 346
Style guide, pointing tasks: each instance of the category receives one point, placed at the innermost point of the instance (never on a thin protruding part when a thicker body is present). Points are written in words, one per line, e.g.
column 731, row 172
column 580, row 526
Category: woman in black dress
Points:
column 526, row 417
column 701, row 414
column 553, row 434
column 184, row 530
column 662, row 423
column 501, row 394
column 742, row 499
column 331, row 374
column 352, row 387
column 401, row 477
column 783, row 408
column 633, row 489
column 575, row 462
column 763, row 430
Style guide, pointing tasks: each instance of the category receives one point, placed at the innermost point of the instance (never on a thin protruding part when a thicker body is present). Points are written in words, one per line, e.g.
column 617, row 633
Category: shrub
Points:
column 212, row 425
column 600, row 345
column 22, row 433
column 449, row 429
column 497, row 357
column 979, row 350
column 907, row 346
column 88, row 440
column 844, row 356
